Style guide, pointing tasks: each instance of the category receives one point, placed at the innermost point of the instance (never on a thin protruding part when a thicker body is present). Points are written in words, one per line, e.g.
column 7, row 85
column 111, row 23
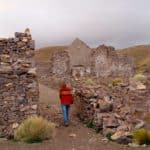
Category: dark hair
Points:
column 63, row 83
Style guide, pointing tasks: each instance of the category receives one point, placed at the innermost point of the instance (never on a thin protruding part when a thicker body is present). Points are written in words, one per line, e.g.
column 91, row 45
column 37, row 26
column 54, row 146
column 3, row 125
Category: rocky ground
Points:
column 75, row 137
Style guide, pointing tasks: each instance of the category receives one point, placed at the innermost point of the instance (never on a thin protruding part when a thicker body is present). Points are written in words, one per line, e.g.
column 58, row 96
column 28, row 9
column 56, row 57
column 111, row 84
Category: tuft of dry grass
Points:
column 139, row 77
column 116, row 81
column 34, row 129
column 142, row 136
column 89, row 81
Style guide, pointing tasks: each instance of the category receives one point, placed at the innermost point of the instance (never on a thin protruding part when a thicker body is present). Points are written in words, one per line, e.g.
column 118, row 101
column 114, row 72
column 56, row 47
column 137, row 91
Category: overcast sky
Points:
column 120, row 23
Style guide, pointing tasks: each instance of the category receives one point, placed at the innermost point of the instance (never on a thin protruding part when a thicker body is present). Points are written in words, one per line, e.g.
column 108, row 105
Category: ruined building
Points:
column 80, row 60
column 106, row 62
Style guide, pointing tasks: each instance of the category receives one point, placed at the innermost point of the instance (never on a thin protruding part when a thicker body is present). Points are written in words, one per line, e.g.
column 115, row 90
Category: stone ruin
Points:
column 18, row 82
column 79, row 54
column 79, row 60
column 60, row 63
column 115, row 110
column 106, row 62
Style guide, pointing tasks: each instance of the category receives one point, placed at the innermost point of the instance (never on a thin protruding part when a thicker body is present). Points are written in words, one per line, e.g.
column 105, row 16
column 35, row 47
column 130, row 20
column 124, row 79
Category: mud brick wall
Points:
column 18, row 82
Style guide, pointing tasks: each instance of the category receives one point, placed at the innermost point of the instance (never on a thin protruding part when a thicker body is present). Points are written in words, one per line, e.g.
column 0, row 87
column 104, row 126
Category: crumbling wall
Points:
column 124, row 66
column 116, row 109
column 79, row 53
column 60, row 64
column 106, row 62
column 79, row 60
column 18, row 82
column 78, row 71
column 102, row 60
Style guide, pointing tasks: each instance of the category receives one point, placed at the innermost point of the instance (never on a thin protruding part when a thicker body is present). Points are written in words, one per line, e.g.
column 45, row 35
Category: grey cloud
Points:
column 118, row 23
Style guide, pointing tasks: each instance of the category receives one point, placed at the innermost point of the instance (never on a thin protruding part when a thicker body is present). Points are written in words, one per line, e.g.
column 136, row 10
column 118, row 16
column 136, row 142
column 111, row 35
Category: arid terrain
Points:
column 75, row 137
column 74, row 75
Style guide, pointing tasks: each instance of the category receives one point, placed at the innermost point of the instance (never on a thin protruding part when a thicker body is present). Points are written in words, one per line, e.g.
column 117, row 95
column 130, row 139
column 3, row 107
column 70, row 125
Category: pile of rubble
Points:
column 114, row 110
column 18, row 82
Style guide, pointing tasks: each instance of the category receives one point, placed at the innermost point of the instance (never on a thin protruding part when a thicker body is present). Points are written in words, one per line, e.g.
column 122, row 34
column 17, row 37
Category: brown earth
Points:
column 75, row 137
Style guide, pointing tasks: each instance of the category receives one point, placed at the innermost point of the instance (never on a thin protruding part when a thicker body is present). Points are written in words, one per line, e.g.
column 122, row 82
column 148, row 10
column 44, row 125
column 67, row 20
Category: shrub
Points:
column 139, row 77
column 108, row 136
column 90, row 124
column 147, row 118
column 34, row 129
column 89, row 81
column 116, row 81
column 142, row 136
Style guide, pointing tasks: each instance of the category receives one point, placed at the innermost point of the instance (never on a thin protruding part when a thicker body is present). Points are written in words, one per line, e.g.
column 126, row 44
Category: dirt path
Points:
column 48, row 96
column 74, row 137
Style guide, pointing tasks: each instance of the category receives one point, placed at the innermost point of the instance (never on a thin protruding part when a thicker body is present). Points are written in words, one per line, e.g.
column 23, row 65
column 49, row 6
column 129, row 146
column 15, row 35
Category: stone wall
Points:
column 79, row 53
column 18, row 82
column 103, row 61
column 113, row 109
column 106, row 62
column 60, row 64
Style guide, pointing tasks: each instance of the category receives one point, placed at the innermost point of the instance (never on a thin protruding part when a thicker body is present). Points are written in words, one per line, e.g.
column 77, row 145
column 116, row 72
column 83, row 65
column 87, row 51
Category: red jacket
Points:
column 66, row 96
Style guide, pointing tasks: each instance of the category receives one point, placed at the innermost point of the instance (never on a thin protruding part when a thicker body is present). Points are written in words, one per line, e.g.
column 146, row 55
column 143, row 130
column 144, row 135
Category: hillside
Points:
column 141, row 54
column 43, row 54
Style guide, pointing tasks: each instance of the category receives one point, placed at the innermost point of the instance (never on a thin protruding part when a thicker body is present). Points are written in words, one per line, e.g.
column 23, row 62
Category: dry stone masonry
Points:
column 60, row 63
column 79, row 53
column 18, row 82
column 79, row 60
column 106, row 62
column 114, row 109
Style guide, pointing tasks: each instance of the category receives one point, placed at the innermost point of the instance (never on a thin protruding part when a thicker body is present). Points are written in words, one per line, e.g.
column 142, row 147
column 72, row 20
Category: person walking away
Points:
column 66, row 98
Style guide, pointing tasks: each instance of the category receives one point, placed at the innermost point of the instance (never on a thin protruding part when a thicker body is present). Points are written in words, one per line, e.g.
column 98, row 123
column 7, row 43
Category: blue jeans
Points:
column 65, row 110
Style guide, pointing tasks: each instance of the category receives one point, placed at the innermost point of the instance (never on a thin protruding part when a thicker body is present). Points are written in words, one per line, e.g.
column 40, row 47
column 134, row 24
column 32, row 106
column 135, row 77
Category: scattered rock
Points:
column 140, row 125
column 32, row 71
column 141, row 87
column 6, row 69
column 143, row 145
column 110, row 122
column 124, row 140
column 24, row 108
column 118, row 116
column 3, row 139
column 15, row 125
column 117, row 135
column 34, row 107
column 105, row 140
column 134, row 145
column 105, row 105
column 5, row 58
column 73, row 135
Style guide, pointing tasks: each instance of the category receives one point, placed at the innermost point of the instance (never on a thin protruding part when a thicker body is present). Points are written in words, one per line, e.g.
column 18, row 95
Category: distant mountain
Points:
column 141, row 54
